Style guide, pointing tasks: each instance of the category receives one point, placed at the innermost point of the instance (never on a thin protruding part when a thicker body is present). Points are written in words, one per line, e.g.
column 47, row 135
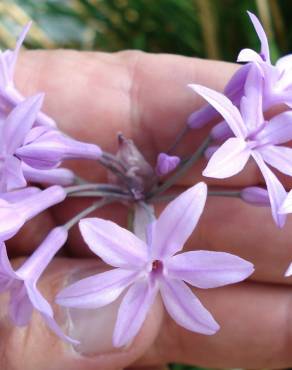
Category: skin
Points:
column 93, row 96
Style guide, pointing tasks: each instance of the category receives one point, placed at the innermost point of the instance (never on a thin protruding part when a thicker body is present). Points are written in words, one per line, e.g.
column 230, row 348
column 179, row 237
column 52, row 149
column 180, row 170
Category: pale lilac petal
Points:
column 20, row 121
column 12, row 176
column 278, row 130
column 6, row 270
column 97, row 290
column 115, row 245
column 256, row 196
column 221, row 131
column 20, row 307
column 45, row 309
column 279, row 157
column 10, row 220
column 248, row 55
column 166, row 163
column 54, row 176
column 277, row 192
column 289, row 270
column 286, row 206
column 228, row 160
column 35, row 264
column 234, row 89
column 251, row 107
column 52, row 147
column 177, row 222
column 36, row 203
column 133, row 311
column 205, row 269
column 18, row 195
column 144, row 215
column 265, row 53
column 225, row 107
column 284, row 63
column 185, row 308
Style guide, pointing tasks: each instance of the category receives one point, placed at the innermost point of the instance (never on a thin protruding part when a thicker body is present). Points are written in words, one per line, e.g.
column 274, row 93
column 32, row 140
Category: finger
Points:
column 143, row 95
column 36, row 347
column 255, row 332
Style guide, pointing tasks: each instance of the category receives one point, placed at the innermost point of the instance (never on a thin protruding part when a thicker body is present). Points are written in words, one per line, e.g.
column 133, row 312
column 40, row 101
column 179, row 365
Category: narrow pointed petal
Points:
column 132, row 312
column 225, row 107
column 278, row 130
column 45, row 309
column 286, row 206
column 6, row 269
column 265, row 53
column 54, row 176
column 228, row 160
column 205, row 269
column 234, row 89
column 12, row 175
column 251, row 106
column 185, row 308
column 289, row 270
column 52, row 147
column 249, row 55
column 35, row 204
column 18, row 195
column 20, row 121
column 256, row 196
column 279, row 157
column 98, row 290
column 20, row 307
column 34, row 266
column 277, row 193
column 10, row 220
column 115, row 245
column 177, row 222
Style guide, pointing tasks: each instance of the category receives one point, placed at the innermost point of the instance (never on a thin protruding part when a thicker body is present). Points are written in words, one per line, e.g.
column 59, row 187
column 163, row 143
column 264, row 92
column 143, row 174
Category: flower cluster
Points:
column 147, row 259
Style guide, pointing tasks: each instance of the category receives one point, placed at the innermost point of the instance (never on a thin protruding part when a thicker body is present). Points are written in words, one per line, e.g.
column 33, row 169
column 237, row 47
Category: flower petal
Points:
column 277, row 193
column 202, row 117
column 45, row 309
column 132, row 312
column 185, row 308
column 166, row 163
column 20, row 307
column 279, row 157
column 265, row 53
column 54, row 176
column 289, row 270
column 286, row 206
column 248, row 55
column 49, row 149
column 12, row 176
column 97, row 290
column 20, row 121
column 278, row 130
column 225, row 107
column 177, row 222
column 228, row 160
column 205, row 269
column 115, row 245
column 6, row 269
column 256, row 196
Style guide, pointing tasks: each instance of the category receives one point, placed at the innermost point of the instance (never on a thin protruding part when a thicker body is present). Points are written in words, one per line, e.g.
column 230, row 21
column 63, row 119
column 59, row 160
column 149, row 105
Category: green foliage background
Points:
column 215, row 29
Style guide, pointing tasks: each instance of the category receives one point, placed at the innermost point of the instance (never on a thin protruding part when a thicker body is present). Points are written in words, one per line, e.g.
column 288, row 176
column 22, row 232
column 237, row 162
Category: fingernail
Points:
column 92, row 327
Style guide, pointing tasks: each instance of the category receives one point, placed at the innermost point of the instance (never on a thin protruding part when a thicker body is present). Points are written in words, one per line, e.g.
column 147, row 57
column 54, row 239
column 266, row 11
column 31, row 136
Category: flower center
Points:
column 157, row 267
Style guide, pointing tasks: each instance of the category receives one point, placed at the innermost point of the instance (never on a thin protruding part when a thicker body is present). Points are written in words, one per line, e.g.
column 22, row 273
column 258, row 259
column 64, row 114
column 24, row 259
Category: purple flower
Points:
column 147, row 268
column 256, row 196
column 13, row 215
column 22, row 283
column 278, row 78
column 166, row 163
column 39, row 147
column 254, row 137
column 10, row 96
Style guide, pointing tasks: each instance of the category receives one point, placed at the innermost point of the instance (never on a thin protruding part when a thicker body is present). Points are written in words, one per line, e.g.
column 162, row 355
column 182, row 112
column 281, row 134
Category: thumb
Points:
column 36, row 347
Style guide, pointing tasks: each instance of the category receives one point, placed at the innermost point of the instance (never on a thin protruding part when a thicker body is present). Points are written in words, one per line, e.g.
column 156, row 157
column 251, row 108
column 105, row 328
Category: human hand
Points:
column 92, row 96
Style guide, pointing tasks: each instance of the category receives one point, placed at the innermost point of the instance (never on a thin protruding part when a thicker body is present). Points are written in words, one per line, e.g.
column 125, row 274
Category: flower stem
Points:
column 224, row 193
column 178, row 139
column 94, row 187
column 86, row 212
column 185, row 165
column 100, row 193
